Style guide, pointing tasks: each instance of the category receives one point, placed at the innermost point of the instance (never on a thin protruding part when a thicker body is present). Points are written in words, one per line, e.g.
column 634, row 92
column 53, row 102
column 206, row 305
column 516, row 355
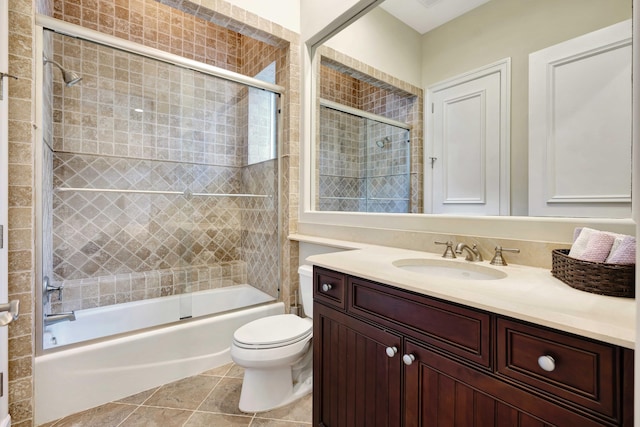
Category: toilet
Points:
column 276, row 355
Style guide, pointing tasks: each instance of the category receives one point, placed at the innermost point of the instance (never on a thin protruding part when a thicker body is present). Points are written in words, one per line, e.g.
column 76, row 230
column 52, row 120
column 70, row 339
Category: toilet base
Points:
column 267, row 389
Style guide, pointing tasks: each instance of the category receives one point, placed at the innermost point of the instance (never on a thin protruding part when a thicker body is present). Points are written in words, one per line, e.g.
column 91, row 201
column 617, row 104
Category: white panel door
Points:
column 468, row 144
column 580, row 126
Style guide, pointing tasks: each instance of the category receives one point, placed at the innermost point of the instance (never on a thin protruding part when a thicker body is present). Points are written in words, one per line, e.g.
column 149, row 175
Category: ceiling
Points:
column 425, row 15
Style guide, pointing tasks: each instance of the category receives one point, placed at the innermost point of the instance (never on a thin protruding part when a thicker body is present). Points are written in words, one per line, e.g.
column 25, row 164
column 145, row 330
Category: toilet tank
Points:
column 305, row 273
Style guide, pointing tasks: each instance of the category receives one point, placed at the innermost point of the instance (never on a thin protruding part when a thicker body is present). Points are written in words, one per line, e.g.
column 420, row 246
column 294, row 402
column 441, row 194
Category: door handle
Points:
column 9, row 312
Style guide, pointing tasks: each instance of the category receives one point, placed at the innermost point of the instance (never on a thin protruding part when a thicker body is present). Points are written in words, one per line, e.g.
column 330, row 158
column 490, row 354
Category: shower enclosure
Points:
column 364, row 161
column 158, row 179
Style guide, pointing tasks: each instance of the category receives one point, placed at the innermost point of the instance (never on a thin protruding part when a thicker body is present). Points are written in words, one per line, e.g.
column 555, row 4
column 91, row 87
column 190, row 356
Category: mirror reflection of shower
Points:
column 364, row 160
column 384, row 141
column 70, row 78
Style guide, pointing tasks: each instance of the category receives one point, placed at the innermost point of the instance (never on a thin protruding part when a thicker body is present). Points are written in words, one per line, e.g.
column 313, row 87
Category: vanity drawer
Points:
column 329, row 287
column 579, row 370
column 460, row 331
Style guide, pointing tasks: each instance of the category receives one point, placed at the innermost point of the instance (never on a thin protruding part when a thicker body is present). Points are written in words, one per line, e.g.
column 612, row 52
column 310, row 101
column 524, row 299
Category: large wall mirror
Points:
column 483, row 107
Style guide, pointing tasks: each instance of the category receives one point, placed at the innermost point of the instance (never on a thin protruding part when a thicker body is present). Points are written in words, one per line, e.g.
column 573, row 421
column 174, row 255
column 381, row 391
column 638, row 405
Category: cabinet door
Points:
column 445, row 393
column 355, row 381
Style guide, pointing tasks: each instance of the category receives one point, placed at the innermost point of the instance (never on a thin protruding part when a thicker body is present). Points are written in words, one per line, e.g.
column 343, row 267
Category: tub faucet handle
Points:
column 448, row 251
column 48, row 289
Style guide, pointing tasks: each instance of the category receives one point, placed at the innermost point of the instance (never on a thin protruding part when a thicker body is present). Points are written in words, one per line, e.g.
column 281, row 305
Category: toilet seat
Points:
column 273, row 332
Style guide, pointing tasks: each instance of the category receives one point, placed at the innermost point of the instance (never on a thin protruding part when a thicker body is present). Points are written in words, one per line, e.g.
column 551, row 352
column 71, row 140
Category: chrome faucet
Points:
column 473, row 254
column 50, row 319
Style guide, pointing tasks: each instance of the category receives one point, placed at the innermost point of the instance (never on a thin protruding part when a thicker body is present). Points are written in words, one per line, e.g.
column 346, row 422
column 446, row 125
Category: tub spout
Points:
column 50, row 319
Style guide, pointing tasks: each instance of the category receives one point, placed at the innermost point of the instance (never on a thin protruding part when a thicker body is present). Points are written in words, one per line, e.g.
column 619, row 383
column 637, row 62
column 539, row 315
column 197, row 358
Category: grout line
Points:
column 131, row 413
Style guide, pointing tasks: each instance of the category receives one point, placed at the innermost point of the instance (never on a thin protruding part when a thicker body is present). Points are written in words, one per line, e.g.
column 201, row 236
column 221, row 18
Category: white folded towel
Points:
column 580, row 242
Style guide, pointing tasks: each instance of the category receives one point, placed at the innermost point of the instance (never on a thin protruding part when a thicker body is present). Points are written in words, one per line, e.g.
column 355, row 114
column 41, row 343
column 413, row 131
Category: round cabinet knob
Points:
column 391, row 351
column 326, row 287
column 547, row 363
column 408, row 359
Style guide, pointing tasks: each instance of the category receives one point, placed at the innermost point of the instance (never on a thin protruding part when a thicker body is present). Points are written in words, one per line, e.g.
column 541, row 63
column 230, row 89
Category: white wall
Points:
column 382, row 41
column 315, row 15
column 283, row 12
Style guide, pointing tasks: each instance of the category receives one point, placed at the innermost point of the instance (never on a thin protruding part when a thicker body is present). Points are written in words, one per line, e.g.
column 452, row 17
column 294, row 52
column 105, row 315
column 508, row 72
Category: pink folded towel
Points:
column 598, row 247
column 624, row 252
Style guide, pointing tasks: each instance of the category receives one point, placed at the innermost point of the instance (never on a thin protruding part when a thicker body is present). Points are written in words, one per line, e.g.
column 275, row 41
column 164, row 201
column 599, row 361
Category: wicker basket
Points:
column 599, row 278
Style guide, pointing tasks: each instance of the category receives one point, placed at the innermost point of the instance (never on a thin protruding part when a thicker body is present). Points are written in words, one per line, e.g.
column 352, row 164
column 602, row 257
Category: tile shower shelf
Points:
column 177, row 193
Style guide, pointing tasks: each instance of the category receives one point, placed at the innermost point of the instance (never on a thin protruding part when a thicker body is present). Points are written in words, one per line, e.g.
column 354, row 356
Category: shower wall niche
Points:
column 148, row 189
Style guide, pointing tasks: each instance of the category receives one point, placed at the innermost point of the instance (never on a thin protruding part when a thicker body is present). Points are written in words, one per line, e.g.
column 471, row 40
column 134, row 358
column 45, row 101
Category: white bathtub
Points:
column 75, row 379
column 102, row 322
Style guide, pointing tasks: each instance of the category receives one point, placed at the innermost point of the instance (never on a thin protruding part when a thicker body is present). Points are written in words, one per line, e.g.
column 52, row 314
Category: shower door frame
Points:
column 48, row 23
column 5, row 418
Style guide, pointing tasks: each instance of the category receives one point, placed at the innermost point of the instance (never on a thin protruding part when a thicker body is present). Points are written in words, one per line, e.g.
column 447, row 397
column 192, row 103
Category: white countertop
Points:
column 526, row 293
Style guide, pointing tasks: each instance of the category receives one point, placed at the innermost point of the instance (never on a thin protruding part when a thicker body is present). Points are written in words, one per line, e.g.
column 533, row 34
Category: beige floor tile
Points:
column 224, row 398
column 146, row 416
column 235, row 372
column 138, row 399
column 188, row 393
column 220, row 371
column 215, row 397
column 300, row 410
column 263, row 422
column 111, row 414
column 206, row 419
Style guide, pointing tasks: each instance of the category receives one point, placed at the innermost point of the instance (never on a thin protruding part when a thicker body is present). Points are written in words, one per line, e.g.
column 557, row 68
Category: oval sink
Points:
column 452, row 270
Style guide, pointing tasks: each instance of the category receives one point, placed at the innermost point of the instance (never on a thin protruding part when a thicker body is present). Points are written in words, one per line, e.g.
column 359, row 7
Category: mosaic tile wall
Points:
column 152, row 24
column 189, row 135
column 130, row 106
column 355, row 86
column 340, row 148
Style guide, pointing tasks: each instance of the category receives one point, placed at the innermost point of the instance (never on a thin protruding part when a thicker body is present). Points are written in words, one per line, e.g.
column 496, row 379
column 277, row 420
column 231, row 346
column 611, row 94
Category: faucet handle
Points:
column 498, row 259
column 448, row 252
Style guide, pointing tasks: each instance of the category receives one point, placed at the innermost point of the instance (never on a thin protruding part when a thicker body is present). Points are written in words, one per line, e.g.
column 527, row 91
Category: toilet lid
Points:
column 273, row 331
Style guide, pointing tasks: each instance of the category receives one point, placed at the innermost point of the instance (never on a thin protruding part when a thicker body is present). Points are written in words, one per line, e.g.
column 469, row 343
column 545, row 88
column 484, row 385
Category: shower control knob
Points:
column 391, row 351
column 326, row 287
column 408, row 359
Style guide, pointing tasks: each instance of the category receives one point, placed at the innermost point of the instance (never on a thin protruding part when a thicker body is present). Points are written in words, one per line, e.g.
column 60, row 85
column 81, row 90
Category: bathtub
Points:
column 116, row 319
column 74, row 379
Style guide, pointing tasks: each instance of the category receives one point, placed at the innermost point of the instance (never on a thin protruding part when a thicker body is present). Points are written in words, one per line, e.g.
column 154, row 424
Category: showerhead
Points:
column 70, row 78
column 382, row 142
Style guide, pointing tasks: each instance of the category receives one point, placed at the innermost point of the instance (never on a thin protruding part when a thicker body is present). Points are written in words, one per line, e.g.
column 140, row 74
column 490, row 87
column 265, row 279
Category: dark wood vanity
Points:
column 384, row 356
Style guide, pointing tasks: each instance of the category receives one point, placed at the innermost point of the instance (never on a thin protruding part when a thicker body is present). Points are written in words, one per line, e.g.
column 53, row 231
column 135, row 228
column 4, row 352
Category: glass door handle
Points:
column 9, row 312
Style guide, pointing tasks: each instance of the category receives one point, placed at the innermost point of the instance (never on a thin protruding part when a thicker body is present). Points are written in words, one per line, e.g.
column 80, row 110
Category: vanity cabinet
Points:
column 384, row 356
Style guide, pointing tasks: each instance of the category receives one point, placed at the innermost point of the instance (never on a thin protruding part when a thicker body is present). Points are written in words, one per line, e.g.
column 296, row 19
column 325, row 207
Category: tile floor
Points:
column 206, row 400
